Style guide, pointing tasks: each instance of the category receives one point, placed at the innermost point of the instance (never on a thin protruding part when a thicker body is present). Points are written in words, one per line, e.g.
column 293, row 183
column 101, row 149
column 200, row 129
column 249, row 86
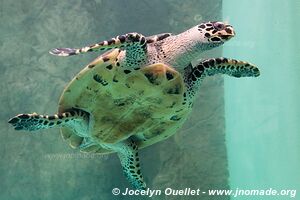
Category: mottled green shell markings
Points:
column 123, row 104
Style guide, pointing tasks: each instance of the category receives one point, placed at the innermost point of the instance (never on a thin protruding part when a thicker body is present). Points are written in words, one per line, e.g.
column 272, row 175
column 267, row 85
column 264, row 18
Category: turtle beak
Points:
column 221, row 32
column 227, row 32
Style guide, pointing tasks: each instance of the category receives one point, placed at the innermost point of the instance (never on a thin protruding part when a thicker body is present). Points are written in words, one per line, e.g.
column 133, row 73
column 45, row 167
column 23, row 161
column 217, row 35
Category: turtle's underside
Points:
column 137, row 94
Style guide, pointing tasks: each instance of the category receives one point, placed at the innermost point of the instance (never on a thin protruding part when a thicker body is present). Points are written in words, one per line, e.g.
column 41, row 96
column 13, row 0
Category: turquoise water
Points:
column 242, row 133
column 262, row 115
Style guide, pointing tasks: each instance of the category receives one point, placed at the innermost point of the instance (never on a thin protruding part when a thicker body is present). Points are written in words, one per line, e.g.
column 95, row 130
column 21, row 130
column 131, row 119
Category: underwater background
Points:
column 243, row 133
column 263, row 114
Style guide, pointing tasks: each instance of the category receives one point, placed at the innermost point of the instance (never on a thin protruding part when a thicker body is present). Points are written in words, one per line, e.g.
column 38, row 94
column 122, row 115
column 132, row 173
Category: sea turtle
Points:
column 137, row 93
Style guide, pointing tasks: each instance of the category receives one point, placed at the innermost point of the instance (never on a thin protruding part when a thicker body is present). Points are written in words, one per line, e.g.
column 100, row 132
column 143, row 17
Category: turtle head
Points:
column 214, row 34
column 187, row 46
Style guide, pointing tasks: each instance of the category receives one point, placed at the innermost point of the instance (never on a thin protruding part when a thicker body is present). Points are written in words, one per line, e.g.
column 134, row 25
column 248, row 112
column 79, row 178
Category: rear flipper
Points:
column 128, row 154
column 75, row 118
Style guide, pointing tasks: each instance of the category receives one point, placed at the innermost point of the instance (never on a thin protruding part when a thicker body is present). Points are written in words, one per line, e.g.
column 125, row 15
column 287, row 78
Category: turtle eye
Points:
column 219, row 26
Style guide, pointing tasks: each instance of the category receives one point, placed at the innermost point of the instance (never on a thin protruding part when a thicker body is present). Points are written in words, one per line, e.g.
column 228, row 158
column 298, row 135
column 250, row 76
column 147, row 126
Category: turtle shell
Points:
column 145, row 103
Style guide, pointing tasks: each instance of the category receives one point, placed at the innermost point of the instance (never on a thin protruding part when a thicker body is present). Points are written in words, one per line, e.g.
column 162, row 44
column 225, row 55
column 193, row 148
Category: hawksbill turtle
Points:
column 139, row 92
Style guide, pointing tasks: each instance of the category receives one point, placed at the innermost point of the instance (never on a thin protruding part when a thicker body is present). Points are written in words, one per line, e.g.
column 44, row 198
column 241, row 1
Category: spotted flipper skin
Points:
column 212, row 66
column 126, row 41
column 34, row 121
column 231, row 67
column 128, row 155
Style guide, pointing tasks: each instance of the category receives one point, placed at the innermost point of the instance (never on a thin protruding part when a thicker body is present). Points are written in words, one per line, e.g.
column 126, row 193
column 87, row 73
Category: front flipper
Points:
column 210, row 67
column 128, row 155
column 135, row 45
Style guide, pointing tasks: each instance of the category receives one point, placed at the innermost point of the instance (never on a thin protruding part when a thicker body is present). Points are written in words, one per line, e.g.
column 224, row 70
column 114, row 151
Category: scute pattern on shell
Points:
column 144, row 103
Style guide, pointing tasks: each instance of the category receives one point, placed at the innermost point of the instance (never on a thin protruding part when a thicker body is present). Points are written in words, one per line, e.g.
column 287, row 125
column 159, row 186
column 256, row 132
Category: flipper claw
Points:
column 63, row 52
